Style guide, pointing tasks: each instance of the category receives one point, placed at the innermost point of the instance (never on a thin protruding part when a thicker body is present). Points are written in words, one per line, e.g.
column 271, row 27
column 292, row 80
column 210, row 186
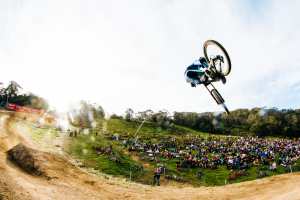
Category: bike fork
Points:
column 217, row 96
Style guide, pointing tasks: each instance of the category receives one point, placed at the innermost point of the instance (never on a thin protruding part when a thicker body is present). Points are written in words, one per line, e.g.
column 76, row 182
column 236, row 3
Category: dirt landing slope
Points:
column 66, row 181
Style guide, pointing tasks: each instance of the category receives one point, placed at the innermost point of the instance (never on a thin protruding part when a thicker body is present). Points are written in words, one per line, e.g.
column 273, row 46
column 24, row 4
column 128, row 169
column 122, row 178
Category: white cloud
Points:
column 133, row 53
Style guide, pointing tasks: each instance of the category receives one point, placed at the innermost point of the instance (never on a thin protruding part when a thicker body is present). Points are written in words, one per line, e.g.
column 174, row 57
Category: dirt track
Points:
column 69, row 182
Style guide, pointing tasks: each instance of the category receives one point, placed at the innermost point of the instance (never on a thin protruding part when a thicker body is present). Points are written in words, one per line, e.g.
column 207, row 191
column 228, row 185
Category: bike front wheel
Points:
column 214, row 48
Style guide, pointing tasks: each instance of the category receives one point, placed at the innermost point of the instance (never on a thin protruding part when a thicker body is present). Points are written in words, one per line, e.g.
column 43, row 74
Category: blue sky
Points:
column 133, row 53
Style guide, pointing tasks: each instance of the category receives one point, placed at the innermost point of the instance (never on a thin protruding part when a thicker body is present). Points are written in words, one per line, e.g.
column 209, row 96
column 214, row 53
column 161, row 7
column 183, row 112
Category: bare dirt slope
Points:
column 66, row 181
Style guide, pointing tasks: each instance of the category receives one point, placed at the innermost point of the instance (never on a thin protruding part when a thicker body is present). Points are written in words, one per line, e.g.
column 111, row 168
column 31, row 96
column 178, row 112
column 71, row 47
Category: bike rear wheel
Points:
column 224, row 70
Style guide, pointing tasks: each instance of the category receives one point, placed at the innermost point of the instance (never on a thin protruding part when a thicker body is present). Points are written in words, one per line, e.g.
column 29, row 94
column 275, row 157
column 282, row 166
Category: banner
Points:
column 17, row 108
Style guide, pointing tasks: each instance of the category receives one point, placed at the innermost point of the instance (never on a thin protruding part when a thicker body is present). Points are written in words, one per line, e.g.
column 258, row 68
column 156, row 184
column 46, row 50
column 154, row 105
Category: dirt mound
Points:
column 25, row 158
column 39, row 163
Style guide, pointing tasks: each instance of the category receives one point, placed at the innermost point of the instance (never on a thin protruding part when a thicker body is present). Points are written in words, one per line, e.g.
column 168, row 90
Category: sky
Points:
column 133, row 53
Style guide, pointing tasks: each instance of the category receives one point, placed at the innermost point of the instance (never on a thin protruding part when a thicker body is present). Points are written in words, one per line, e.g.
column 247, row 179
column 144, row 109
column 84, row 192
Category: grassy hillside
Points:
column 101, row 152
column 117, row 160
column 110, row 156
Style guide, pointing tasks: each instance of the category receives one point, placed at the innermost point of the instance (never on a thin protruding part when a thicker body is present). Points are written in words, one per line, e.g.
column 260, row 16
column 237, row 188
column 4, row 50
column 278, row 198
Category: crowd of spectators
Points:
column 236, row 153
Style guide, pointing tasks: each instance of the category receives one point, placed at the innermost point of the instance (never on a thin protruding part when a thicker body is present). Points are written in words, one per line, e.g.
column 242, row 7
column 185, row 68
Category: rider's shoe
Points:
column 193, row 84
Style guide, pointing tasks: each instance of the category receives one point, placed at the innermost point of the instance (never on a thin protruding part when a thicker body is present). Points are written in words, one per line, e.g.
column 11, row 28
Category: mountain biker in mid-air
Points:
column 198, row 72
column 211, row 68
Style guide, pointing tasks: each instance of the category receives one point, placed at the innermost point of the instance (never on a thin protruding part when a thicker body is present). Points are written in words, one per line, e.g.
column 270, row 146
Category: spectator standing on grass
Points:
column 157, row 173
column 274, row 166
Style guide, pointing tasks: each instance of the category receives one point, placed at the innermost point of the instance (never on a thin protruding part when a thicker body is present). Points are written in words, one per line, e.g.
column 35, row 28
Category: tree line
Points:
column 256, row 121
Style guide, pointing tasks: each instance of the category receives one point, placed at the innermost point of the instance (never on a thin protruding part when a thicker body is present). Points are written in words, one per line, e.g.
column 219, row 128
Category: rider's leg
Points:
column 193, row 78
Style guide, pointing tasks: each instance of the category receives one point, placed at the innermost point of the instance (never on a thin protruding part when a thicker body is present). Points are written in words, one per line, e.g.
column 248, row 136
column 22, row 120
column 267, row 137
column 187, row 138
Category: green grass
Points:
column 37, row 133
column 82, row 147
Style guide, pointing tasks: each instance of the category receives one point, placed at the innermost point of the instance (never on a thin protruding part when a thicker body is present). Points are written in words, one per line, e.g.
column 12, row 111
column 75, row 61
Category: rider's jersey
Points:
column 196, row 71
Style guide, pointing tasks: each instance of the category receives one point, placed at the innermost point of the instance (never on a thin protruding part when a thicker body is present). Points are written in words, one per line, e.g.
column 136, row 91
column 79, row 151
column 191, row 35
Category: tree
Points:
column 37, row 102
column 12, row 89
column 129, row 114
column 86, row 115
column 162, row 118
